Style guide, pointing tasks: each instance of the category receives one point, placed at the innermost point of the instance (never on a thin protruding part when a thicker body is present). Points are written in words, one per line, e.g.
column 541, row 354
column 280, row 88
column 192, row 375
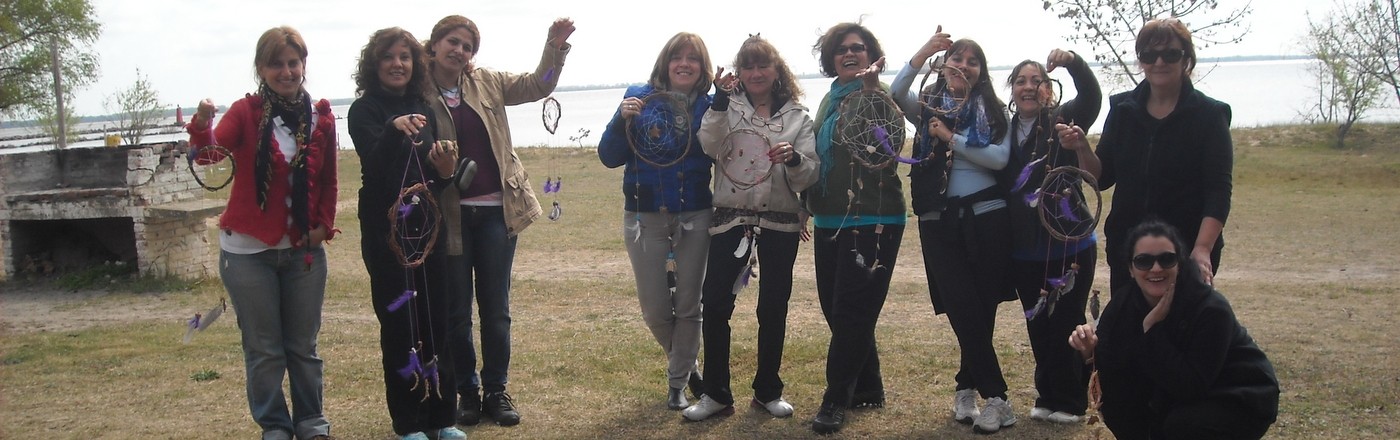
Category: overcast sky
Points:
column 195, row 49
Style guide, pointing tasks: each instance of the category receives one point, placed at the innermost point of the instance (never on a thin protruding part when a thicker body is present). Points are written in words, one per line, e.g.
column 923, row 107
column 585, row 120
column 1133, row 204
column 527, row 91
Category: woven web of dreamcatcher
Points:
column 212, row 166
column 744, row 158
column 871, row 126
column 550, row 114
column 660, row 134
column 414, row 223
column 1068, row 202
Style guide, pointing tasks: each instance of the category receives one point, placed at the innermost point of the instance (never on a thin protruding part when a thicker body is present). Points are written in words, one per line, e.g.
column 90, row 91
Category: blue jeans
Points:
column 483, row 275
column 278, row 303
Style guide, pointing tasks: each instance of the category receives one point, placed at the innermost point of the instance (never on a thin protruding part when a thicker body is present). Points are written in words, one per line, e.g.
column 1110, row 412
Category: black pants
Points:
column 968, row 277
column 1061, row 377
column 852, row 295
column 413, row 406
column 776, row 253
column 1205, row 419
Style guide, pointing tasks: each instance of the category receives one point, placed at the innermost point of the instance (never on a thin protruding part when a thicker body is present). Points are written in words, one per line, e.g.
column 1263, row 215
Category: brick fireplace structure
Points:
column 67, row 210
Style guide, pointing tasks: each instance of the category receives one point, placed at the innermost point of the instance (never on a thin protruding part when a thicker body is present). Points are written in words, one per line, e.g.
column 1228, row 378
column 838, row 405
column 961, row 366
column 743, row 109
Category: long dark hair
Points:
column 995, row 109
column 367, row 71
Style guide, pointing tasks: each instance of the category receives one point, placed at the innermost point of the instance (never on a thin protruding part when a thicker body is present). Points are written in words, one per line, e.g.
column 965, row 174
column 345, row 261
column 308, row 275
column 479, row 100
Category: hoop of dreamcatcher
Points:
column 662, row 125
column 549, row 114
column 1068, row 203
column 414, row 223
column 744, row 158
column 871, row 126
column 941, row 101
column 217, row 176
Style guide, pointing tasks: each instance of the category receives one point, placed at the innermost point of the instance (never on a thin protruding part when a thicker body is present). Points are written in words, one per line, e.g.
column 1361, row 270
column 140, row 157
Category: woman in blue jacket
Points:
column 667, row 200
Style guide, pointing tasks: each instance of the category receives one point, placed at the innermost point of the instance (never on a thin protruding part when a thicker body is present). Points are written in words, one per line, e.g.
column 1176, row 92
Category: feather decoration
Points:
column 402, row 299
column 671, row 271
column 192, row 326
column 860, row 259
column 1094, row 307
column 413, row 368
column 743, row 248
column 636, row 229
column 549, row 74
column 213, row 314
column 1066, row 210
column 1033, row 198
column 743, row 280
column 1026, row 174
column 556, row 212
column 1039, row 305
column 884, row 137
column 404, row 210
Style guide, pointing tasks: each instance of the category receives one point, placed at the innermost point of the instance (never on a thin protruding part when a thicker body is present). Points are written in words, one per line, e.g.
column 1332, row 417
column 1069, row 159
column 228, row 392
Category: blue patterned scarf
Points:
column 829, row 109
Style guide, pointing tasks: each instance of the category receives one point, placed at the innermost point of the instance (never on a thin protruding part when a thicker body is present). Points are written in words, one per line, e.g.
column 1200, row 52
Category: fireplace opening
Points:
column 45, row 247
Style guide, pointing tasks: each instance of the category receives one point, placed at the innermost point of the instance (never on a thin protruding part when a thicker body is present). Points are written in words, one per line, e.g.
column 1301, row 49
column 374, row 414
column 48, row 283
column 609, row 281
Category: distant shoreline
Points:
column 587, row 87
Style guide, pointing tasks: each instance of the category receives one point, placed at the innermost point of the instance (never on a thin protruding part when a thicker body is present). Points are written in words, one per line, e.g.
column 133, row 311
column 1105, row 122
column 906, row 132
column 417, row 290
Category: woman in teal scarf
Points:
column 858, row 214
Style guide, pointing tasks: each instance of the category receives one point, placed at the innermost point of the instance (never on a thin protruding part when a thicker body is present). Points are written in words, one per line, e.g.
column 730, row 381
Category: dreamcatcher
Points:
column 1068, row 204
column 202, row 321
column 660, row 136
column 871, row 127
column 414, row 223
column 950, row 108
column 744, row 158
column 553, row 182
column 212, row 165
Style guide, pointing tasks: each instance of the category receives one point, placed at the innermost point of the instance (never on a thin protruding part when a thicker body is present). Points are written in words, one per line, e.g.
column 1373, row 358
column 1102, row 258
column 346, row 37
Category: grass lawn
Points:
column 1309, row 267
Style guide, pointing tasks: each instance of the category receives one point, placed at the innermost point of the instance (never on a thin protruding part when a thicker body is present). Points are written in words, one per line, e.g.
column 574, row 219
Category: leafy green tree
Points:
column 137, row 109
column 27, row 29
column 1111, row 27
column 1347, row 83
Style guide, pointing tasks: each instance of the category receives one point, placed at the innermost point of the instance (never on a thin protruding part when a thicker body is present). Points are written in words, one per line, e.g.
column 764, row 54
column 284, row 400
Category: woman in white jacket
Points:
column 756, row 219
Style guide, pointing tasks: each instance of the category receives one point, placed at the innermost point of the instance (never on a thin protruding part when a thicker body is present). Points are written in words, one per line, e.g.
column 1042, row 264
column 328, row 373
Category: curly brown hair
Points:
column 367, row 71
column 826, row 45
column 757, row 50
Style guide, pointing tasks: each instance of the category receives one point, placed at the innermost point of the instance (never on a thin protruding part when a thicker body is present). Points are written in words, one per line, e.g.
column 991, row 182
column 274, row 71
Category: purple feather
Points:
column 194, row 322
column 1026, row 174
column 413, row 366
column 549, row 74
column 558, row 184
column 404, row 210
column 1039, row 305
column 884, row 138
column 1031, row 197
column 1066, row 210
column 403, row 299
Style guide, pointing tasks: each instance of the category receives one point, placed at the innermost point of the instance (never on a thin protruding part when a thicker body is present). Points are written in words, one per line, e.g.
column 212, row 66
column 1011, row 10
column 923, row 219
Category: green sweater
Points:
column 879, row 195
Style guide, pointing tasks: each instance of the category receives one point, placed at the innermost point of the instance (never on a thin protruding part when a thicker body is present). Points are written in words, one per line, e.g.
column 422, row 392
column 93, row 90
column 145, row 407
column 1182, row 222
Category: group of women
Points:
column 719, row 184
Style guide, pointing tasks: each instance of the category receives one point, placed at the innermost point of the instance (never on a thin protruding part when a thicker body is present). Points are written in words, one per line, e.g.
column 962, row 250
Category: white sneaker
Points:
column 1064, row 418
column 965, row 406
column 777, row 407
column 1041, row 413
column 996, row 415
column 705, row 408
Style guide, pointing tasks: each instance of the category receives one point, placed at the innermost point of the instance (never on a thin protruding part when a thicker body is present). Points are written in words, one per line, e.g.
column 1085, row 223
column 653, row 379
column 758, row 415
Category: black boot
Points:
column 829, row 418
column 499, row 407
column 469, row 409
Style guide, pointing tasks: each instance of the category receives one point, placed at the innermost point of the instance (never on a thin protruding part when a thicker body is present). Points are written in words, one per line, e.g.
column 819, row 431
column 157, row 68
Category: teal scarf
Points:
column 829, row 109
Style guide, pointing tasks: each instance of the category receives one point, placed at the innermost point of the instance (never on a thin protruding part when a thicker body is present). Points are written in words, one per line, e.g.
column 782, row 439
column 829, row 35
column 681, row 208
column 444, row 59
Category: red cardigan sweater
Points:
column 238, row 132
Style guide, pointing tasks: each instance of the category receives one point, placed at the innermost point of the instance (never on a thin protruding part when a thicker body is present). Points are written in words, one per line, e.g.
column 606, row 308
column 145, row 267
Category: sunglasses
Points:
column 854, row 48
column 1168, row 55
column 1144, row 262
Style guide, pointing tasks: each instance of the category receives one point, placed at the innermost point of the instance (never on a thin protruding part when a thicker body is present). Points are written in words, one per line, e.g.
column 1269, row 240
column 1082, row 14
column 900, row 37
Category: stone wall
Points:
column 149, row 184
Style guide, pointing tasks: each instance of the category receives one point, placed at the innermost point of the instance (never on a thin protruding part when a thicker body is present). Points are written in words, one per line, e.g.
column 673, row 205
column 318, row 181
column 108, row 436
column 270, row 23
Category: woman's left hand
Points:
column 1160, row 311
column 560, row 31
column 871, row 76
column 781, row 153
column 939, row 130
column 409, row 124
column 1202, row 258
column 1071, row 137
column 314, row 238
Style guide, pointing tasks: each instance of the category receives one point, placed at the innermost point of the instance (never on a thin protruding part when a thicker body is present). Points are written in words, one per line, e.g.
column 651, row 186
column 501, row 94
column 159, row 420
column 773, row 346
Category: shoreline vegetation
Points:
column 1308, row 268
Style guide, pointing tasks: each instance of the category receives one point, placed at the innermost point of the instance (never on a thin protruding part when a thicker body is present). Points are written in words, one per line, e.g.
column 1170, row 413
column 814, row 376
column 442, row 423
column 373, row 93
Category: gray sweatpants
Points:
column 674, row 319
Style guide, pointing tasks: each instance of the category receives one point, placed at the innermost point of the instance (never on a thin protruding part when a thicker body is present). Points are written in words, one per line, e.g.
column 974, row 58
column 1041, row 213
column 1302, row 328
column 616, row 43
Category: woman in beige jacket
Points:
column 486, row 210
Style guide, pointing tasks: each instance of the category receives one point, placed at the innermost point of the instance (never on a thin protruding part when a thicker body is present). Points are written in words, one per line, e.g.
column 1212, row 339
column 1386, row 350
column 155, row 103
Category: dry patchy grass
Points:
column 1308, row 268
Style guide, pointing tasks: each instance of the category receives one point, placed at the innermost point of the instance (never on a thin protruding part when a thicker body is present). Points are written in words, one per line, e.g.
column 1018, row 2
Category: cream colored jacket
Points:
column 778, row 193
column 488, row 92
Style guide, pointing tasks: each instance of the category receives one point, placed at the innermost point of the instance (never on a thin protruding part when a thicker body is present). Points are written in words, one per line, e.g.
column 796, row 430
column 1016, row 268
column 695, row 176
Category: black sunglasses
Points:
column 1144, row 262
column 854, row 48
column 1168, row 55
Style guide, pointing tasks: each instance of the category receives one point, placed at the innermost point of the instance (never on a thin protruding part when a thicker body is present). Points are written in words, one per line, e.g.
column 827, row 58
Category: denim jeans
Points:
column 483, row 275
column 278, row 303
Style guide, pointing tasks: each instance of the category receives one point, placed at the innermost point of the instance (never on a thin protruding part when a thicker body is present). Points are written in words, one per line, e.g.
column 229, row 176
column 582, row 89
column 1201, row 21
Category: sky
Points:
column 190, row 50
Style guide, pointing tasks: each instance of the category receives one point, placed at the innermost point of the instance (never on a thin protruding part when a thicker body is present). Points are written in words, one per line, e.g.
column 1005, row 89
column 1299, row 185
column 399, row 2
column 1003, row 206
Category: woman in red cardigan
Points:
column 281, row 208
